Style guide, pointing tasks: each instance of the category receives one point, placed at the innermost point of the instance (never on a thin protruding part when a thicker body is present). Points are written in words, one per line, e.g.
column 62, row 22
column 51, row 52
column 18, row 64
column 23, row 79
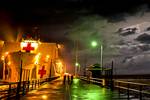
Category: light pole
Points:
column 20, row 78
column 95, row 44
column 77, row 69
column 101, row 46
column 76, row 57
column 3, row 58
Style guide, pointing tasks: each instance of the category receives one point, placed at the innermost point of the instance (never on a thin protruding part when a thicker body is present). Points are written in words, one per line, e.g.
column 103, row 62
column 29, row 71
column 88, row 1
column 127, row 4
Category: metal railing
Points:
column 129, row 89
column 15, row 89
column 138, row 90
column 94, row 80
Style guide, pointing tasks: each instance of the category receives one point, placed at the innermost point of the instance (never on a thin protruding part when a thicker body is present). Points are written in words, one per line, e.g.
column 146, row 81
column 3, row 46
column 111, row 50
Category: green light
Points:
column 76, row 64
column 94, row 43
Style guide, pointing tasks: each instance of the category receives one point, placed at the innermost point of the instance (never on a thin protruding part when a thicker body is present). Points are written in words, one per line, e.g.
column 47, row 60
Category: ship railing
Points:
column 16, row 89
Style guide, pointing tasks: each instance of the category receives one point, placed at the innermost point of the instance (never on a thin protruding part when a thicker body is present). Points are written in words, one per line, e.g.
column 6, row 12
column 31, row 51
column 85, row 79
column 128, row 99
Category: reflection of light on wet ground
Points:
column 103, row 91
column 85, row 91
column 78, row 90
column 44, row 97
column 76, row 81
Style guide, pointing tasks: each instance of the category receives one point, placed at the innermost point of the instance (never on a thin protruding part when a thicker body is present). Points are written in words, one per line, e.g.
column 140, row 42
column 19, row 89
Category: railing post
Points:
column 32, row 84
column 119, row 88
column 112, row 81
column 28, row 85
column 23, row 90
column 9, row 91
column 35, row 84
column 38, row 83
column 64, row 79
column 140, row 92
column 18, row 90
column 112, row 85
column 128, row 92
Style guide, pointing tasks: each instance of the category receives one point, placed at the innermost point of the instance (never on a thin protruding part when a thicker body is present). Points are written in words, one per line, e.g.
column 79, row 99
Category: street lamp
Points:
column 77, row 68
column 95, row 44
column 76, row 64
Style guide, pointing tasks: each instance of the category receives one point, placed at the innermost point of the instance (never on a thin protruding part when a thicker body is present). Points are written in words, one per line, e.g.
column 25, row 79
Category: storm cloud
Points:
column 127, row 51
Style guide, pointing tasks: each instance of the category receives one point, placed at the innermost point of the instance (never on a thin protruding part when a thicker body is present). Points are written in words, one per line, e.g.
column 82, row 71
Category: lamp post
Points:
column 95, row 44
column 50, row 72
column 3, row 58
column 76, row 57
column 20, row 78
column 77, row 68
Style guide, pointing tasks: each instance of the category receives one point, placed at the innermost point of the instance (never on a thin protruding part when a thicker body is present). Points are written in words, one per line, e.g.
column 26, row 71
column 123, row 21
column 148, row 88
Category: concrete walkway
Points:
column 78, row 90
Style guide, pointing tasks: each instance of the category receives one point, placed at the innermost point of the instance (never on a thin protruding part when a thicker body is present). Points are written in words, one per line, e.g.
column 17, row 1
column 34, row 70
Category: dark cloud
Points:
column 36, row 11
column 144, row 47
column 126, row 32
column 144, row 38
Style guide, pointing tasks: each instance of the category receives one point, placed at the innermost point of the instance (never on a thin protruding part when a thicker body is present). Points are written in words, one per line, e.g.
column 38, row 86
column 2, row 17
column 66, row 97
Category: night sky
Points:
column 52, row 15
column 65, row 21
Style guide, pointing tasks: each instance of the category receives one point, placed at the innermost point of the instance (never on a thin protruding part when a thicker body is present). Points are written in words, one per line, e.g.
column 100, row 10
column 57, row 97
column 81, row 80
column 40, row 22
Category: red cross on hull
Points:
column 42, row 72
column 28, row 48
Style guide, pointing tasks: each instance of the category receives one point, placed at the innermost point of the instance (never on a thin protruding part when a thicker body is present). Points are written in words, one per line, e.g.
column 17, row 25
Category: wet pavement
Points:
column 78, row 90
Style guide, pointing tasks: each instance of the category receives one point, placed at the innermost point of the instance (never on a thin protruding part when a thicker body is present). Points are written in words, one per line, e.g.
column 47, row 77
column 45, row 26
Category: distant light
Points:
column 44, row 96
column 2, row 58
column 47, row 56
column 59, row 46
column 37, row 58
column 76, row 64
column 6, row 53
column 9, row 63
